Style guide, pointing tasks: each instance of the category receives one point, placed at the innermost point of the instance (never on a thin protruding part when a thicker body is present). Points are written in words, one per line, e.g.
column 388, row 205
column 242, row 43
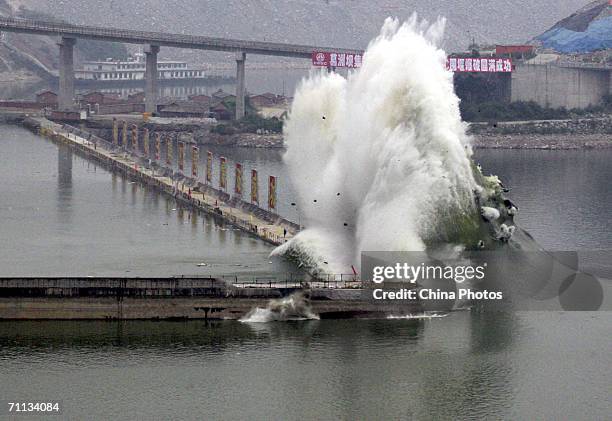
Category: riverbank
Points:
column 592, row 133
column 584, row 133
column 540, row 135
column 245, row 140
column 587, row 133
column 542, row 141
column 480, row 141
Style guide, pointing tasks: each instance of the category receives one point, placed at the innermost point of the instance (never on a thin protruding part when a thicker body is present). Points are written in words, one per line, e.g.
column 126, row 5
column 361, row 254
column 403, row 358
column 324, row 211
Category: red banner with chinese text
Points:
column 479, row 64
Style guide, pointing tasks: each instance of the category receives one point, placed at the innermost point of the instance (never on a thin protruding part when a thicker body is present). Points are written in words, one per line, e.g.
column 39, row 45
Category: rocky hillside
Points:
column 587, row 30
column 29, row 58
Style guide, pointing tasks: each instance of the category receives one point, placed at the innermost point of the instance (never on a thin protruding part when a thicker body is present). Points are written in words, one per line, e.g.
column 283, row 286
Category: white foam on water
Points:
column 418, row 316
column 292, row 307
column 376, row 158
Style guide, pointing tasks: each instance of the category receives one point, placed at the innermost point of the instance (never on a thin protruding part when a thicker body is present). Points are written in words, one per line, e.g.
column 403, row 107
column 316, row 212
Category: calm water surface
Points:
column 60, row 214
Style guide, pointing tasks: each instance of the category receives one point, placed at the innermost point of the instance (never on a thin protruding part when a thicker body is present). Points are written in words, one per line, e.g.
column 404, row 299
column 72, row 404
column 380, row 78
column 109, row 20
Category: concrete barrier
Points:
column 553, row 86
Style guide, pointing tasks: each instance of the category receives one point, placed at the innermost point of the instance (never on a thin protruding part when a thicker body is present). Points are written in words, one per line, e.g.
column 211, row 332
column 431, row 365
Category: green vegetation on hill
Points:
column 250, row 123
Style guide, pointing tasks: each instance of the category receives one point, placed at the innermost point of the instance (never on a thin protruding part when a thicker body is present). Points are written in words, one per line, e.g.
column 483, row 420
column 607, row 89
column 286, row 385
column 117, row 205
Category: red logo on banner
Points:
column 332, row 59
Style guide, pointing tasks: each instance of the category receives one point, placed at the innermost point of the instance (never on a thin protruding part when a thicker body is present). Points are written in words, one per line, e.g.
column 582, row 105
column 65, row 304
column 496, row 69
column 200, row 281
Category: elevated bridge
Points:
column 153, row 41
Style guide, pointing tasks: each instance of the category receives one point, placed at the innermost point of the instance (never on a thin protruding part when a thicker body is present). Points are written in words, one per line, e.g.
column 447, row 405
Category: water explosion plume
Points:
column 380, row 160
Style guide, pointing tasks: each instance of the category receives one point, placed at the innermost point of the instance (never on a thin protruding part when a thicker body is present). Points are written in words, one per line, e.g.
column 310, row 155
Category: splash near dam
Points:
column 388, row 159
column 381, row 162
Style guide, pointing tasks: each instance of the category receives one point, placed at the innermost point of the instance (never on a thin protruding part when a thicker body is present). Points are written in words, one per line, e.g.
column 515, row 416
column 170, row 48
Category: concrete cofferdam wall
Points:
column 552, row 86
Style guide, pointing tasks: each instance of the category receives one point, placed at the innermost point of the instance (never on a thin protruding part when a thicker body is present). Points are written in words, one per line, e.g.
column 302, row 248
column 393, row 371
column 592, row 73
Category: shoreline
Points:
column 583, row 134
column 542, row 141
column 479, row 141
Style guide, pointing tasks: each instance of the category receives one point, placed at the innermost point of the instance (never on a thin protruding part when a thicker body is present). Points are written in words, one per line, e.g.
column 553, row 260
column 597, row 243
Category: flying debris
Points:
column 506, row 232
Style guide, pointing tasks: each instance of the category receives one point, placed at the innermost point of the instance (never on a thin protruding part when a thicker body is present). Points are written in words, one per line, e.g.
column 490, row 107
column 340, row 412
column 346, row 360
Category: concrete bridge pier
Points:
column 240, row 92
column 66, row 74
column 151, row 78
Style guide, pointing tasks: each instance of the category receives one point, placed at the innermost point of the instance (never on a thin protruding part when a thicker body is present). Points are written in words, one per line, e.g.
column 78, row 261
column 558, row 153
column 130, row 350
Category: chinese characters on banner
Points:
column 209, row 159
column 181, row 156
column 254, row 188
column 223, row 174
column 454, row 64
column 329, row 59
column 272, row 193
column 238, row 180
column 195, row 158
column 476, row 64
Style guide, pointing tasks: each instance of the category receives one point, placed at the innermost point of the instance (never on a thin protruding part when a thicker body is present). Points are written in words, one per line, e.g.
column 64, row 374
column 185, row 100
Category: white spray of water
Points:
column 418, row 316
column 292, row 307
column 377, row 157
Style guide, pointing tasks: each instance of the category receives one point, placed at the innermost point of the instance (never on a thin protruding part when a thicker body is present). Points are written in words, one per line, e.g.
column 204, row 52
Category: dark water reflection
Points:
column 467, row 365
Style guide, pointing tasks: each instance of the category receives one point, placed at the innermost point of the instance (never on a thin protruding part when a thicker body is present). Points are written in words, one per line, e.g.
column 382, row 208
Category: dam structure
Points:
column 135, row 155
column 124, row 156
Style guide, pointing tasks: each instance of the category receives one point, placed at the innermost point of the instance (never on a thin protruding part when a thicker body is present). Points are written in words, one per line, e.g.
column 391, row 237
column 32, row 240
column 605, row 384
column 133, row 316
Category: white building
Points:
column 134, row 69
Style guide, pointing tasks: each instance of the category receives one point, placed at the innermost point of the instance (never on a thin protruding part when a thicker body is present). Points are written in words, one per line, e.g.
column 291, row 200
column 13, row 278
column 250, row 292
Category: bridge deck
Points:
column 162, row 38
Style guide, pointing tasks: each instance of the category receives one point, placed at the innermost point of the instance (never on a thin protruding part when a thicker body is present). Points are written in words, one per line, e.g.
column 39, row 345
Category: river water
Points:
column 61, row 215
